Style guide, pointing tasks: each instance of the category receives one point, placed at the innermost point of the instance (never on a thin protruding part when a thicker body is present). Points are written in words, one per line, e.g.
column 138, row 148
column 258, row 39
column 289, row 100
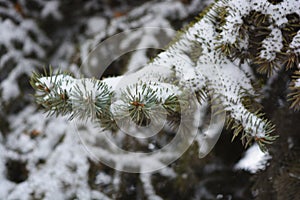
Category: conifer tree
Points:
column 238, row 60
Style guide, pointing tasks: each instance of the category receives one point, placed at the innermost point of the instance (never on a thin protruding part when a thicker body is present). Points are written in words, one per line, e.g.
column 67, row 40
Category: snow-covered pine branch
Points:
column 217, row 53
column 92, row 99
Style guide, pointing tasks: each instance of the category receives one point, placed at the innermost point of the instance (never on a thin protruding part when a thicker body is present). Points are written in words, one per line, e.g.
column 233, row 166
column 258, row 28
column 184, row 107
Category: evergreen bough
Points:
column 229, row 54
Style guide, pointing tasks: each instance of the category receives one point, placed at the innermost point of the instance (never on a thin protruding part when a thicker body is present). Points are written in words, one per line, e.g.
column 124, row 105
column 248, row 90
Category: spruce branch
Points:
column 61, row 94
column 50, row 94
column 139, row 102
column 213, row 58
column 92, row 103
column 94, row 99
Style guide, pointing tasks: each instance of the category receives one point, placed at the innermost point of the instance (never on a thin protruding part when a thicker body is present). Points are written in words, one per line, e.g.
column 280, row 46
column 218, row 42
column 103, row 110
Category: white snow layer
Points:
column 253, row 160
